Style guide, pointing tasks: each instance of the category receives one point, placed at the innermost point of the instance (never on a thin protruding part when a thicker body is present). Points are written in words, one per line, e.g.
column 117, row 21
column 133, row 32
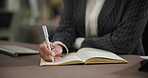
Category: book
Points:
column 86, row 56
column 15, row 50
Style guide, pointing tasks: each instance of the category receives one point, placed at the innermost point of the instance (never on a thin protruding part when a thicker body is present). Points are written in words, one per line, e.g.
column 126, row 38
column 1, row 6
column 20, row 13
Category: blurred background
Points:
column 21, row 20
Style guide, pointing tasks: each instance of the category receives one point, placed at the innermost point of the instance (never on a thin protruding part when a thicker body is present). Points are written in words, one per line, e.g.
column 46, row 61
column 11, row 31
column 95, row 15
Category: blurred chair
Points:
column 145, row 39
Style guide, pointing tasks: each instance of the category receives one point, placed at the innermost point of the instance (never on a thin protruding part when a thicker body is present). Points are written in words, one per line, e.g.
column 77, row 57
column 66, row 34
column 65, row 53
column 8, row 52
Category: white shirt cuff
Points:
column 61, row 43
column 78, row 42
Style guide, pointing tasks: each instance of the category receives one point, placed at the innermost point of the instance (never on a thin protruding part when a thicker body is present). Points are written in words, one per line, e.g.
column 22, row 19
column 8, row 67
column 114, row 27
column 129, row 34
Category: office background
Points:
column 21, row 20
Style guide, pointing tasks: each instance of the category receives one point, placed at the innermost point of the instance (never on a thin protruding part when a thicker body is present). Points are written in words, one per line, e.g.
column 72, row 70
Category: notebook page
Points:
column 87, row 53
column 68, row 58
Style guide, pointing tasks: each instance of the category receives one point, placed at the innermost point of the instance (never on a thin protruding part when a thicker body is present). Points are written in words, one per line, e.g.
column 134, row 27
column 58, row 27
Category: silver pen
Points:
column 47, row 40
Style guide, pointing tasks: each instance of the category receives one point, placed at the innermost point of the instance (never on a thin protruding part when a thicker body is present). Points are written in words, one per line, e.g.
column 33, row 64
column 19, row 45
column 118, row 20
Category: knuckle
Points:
column 40, row 45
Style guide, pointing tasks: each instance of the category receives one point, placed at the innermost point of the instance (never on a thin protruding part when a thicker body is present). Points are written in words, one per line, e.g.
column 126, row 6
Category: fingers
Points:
column 45, row 53
column 55, row 52
column 47, row 58
column 44, row 48
column 57, row 49
column 44, row 56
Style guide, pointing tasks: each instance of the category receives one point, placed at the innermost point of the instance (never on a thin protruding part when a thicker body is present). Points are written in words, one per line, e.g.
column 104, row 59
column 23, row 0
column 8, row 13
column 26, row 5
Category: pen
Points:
column 47, row 40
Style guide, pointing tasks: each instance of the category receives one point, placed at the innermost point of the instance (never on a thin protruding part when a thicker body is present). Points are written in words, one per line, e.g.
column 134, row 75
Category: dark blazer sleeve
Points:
column 128, row 32
column 66, row 31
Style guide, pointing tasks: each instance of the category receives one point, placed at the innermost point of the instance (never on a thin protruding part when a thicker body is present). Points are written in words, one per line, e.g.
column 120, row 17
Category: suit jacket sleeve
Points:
column 123, row 39
column 66, row 32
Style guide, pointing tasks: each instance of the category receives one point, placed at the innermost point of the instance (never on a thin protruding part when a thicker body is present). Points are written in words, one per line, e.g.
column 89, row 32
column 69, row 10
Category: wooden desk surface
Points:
column 28, row 67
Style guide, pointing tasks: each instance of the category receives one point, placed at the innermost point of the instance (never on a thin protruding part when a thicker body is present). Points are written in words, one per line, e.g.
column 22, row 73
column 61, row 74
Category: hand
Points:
column 56, row 50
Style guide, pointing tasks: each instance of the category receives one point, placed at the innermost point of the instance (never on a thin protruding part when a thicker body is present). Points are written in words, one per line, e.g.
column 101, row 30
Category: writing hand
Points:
column 56, row 50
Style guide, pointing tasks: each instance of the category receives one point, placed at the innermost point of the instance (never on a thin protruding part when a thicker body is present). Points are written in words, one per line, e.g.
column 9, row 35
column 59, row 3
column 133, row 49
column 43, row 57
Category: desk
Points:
column 28, row 67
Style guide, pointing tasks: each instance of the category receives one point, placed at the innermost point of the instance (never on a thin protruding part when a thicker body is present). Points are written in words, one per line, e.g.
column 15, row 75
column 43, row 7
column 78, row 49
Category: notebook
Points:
column 87, row 56
column 14, row 50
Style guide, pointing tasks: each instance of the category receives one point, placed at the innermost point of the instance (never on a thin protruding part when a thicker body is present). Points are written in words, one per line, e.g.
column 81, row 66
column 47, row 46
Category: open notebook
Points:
column 14, row 50
column 87, row 56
